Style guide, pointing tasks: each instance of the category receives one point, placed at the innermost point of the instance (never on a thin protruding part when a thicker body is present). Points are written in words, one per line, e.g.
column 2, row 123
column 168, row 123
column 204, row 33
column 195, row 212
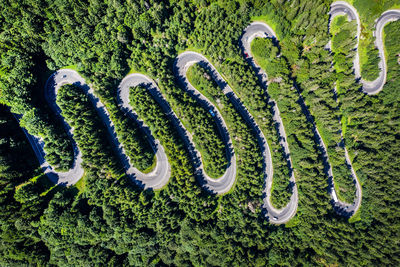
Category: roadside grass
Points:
column 293, row 222
column 336, row 23
column 72, row 67
column 78, row 70
column 190, row 49
column 356, row 217
column 81, row 184
column 385, row 50
column 325, row 134
column 152, row 166
column 363, row 51
column 133, row 70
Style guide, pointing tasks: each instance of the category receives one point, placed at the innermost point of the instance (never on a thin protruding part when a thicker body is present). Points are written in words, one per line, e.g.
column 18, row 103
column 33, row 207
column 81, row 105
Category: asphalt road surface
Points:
column 262, row 30
column 227, row 180
column 73, row 175
column 156, row 179
column 160, row 175
column 369, row 87
column 344, row 8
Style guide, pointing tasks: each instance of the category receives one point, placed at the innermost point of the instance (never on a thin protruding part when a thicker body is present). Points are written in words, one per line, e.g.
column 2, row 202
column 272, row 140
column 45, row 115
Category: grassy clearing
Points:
column 81, row 184
column 356, row 217
column 72, row 67
column 134, row 70
column 293, row 222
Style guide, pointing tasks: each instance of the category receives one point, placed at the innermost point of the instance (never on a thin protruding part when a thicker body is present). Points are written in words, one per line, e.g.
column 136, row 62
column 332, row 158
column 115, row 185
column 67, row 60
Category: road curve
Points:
column 344, row 8
column 262, row 30
column 53, row 84
column 259, row 29
column 227, row 180
column 155, row 179
column 158, row 177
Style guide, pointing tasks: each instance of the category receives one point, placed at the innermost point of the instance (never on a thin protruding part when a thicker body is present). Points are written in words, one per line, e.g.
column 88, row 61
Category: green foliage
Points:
column 215, row 160
column 113, row 222
column 58, row 147
column 367, row 138
column 266, row 55
column 343, row 43
column 369, row 11
column 88, row 130
column 337, row 23
column 136, row 145
column 369, row 69
column 20, row 241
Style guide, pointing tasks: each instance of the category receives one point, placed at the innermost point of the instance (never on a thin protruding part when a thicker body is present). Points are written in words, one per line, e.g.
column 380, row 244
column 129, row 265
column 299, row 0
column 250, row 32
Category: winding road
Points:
column 262, row 30
column 156, row 179
column 53, row 84
column 227, row 180
column 160, row 175
column 343, row 8
column 339, row 8
column 185, row 60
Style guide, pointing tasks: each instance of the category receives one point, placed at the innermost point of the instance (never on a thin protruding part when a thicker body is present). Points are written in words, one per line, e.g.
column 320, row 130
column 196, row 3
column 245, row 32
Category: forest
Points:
column 106, row 219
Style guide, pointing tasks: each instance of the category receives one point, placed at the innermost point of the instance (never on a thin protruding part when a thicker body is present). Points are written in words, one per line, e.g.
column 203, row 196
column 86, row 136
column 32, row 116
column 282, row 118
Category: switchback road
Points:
column 262, row 30
column 343, row 8
column 227, row 180
column 156, row 179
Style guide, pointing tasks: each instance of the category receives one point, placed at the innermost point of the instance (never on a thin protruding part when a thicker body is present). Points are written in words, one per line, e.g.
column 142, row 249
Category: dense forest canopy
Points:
column 106, row 219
